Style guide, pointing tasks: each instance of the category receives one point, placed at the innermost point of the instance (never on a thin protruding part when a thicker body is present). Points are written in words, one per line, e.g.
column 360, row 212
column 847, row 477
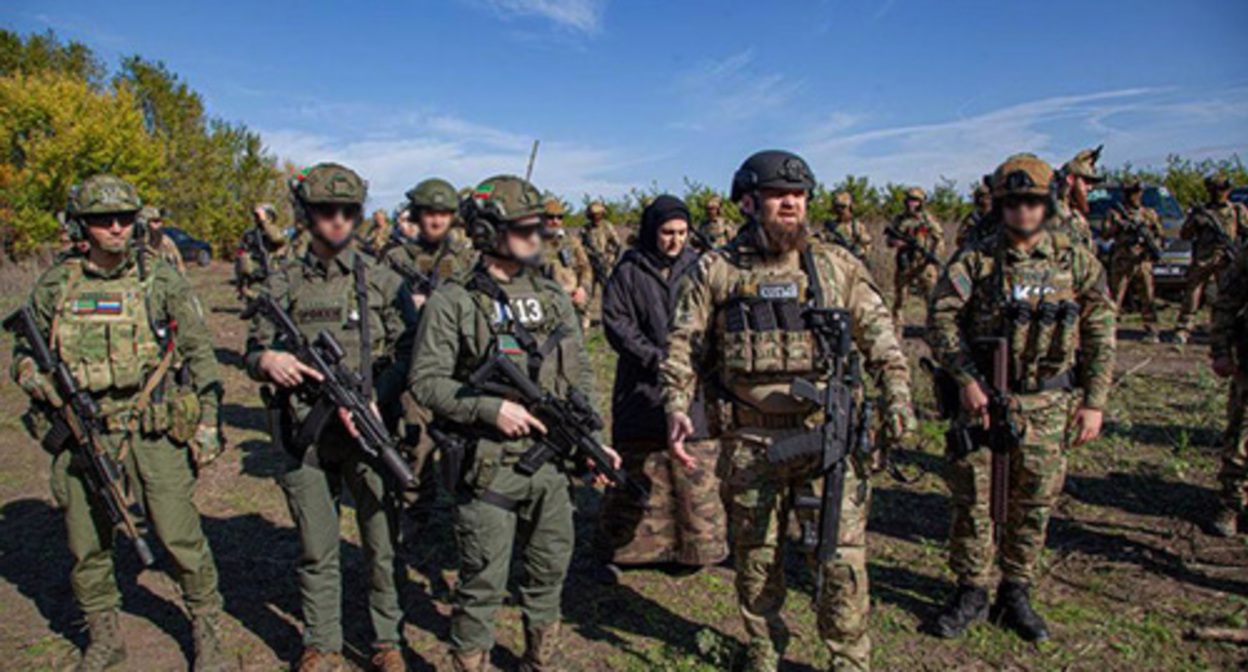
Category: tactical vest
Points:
column 338, row 305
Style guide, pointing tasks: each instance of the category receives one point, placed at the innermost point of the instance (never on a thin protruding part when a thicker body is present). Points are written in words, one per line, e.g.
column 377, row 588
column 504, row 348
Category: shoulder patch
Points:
column 962, row 285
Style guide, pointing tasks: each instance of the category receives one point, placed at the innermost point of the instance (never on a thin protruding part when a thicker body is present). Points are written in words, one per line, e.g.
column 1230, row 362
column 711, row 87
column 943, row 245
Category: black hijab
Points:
column 663, row 209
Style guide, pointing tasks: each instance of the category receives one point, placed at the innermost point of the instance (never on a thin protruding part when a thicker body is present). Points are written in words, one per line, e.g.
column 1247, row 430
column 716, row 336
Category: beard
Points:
column 783, row 237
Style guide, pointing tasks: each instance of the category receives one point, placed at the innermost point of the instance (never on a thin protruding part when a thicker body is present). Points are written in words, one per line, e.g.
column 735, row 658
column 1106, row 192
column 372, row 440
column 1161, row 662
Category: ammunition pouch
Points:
column 960, row 440
column 184, row 413
column 766, row 336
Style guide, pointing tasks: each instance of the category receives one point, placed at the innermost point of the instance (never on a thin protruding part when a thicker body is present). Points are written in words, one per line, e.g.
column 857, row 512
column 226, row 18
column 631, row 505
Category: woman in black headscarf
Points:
column 684, row 521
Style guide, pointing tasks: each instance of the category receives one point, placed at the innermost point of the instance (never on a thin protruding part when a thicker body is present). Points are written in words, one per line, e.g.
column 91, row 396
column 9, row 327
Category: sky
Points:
column 634, row 93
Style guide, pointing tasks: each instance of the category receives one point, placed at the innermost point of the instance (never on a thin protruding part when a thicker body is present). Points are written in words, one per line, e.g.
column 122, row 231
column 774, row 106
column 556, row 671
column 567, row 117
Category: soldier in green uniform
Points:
column 1212, row 228
column 1130, row 262
column 336, row 288
column 717, row 229
column 913, row 268
column 601, row 240
column 263, row 247
column 564, row 260
column 845, row 229
column 1074, row 181
column 1026, row 269
column 157, row 242
column 433, row 253
column 126, row 325
column 770, row 263
column 1229, row 353
column 503, row 307
column 973, row 226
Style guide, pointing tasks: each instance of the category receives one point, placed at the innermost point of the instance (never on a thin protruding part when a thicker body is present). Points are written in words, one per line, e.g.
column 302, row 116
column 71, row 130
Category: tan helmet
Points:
column 715, row 202
column 597, row 208
column 1084, row 165
column 843, row 199
column 1022, row 175
column 554, row 208
column 1132, row 185
column 916, row 194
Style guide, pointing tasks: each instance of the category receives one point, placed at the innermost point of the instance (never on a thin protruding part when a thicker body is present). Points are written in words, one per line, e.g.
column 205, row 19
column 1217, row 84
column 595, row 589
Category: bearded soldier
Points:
column 913, row 267
column 129, row 331
column 1040, row 303
column 977, row 225
column 335, row 288
column 845, row 229
column 503, row 308
column 564, row 260
column 1074, row 181
column 1215, row 230
column 1133, row 227
column 601, row 241
column 1229, row 352
column 263, row 247
column 717, row 230
column 757, row 303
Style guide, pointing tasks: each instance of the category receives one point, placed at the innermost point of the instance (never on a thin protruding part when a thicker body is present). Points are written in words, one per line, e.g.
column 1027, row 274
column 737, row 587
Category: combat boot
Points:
column 968, row 606
column 471, row 661
column 313, row 660
column 761, row 656
column 1013, row 610
column 208, row 654
column 107, row 647
column 389, row 659
column 541, row 649
column 1226, row 523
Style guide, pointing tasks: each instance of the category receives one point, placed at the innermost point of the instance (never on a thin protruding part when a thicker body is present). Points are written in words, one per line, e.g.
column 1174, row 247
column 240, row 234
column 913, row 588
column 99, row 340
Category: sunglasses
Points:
column 526, row 231
column 1013, row 202
column 107, row 220
column 331, row 210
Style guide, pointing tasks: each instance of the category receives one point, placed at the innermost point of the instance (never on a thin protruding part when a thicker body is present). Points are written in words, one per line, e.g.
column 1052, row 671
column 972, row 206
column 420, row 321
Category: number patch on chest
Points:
column 527, row 310
column 778, row 290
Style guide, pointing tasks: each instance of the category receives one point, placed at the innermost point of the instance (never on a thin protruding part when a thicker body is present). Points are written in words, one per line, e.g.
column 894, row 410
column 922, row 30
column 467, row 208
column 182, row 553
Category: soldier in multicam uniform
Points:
column 157, row 242
column 1130, row 262
column 771, row 263
column 123, row 324
column 913, row 268
column 250, row 274
column 1074, row 180
column 717, row 230
column 976, row 225
column 845, row 229
column 1209, row 227
column 1025, row 269
column 504, row 307
column 601, row 239
column 334, row 287
column 564, row 260
column 1229, row 353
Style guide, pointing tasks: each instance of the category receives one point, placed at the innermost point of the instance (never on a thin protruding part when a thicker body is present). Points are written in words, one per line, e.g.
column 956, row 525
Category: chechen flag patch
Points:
column 97, row 305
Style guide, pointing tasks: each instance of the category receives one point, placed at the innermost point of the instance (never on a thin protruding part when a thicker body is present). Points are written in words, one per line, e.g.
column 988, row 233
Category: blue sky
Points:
column 624, row 93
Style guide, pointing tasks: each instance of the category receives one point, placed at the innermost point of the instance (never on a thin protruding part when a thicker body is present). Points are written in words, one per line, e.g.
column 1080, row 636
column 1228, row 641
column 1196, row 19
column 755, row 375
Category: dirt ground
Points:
column 1128, row 570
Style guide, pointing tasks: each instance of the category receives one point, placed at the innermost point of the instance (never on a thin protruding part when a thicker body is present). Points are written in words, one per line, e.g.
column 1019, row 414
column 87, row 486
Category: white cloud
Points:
column 731, row 91
column 1136, row 125
column 582, row 16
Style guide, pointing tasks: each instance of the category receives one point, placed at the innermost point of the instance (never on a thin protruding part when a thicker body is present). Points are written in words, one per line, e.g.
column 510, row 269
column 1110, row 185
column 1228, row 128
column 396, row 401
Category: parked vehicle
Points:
column 193, row 249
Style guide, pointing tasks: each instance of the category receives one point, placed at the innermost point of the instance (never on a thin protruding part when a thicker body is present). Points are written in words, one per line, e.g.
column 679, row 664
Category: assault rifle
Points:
column 1138, row 233
column 844, row 435
column 833, row 229
column 341, row 388
column 596, row 263
column 570, row 423
column 419, row 282
column 911, row 244
column 76, row 425
column 1225, row 241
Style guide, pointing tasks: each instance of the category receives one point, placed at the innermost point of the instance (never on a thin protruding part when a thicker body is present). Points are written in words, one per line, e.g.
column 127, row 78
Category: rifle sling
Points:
column 537, row 354
column 366, row 342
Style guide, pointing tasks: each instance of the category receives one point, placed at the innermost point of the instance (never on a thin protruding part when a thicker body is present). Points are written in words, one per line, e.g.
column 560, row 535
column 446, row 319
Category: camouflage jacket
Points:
column 1230, row 315
column 1072, row 224
column 1126, row 227
column 854, row 232
column 926, row 229
column 116, row 309
column 723, row 276
column 164, row 247
column 1231, row 218
column 970, row 230
column 564, row 260
column 987, row 282
column 718, row 231
column 436, row 261
column 604, row 240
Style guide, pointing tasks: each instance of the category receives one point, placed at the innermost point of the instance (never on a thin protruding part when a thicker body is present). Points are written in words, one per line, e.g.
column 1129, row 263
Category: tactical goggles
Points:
column 331, row 210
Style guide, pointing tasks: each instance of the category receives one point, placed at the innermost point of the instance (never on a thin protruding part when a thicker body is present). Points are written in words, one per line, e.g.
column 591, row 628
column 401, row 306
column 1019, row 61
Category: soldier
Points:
column 1026, row 269
column 125, row 326
column 1131, row 226
column 846, row 230
column 1214, row 229
column 432, row 255
column 975, row 226
column 336, row 288
column 1075, row 179
column 157, row 242
column 770, row 264
column 717, row 230
column 684, row 522
column 263, row 247
column 503, row 307
column 601, row 241
column 1229, row 352
column 406, row 230
column 913, row 267
column 564, row 260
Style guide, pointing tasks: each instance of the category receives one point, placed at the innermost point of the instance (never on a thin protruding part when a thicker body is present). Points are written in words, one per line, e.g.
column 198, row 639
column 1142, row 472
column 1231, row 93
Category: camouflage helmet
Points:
column 1218, row 181
column 843, row 199
column 916, row 194
column 433, row 194
column 772, row 169
column 101, row 195
column 497, row 203
column 1132, row 185
column 149, row 213
column 1022, row 175
column 715, row 202
column 1084, row 165
column 554, row 208
column 596, row 208
column 330, row 183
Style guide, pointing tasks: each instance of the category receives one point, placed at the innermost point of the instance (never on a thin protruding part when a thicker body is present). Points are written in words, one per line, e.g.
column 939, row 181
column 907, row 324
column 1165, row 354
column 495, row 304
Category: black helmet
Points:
column 772, row 169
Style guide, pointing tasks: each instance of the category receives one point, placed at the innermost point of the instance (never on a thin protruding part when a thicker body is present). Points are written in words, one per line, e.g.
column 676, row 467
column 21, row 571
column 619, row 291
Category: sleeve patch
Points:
column 962, row 285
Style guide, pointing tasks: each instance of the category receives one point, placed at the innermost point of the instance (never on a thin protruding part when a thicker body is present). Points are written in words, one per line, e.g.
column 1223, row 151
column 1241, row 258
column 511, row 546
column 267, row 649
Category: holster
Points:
column 278, row 418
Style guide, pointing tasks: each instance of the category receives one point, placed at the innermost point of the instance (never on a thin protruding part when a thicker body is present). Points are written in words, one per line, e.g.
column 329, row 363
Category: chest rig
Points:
column 338, row 305
column 526, row 328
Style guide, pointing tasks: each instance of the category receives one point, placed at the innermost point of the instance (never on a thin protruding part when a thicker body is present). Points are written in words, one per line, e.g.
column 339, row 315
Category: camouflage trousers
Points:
column 1202, row 283
column 1234, row 474
column 920, row 275
column 1037, row 473
column 1129, row 272
column 160, row 476
column 759, row 505
column 684, row 520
